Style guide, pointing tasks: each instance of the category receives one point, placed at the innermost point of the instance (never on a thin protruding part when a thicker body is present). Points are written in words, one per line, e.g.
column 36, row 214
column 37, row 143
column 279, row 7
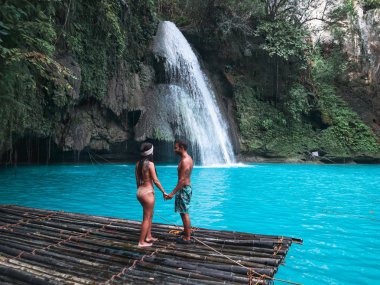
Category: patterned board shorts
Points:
column 182, row 200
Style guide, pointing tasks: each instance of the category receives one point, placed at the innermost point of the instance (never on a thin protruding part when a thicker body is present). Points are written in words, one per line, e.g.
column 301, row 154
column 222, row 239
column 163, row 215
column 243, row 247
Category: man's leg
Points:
column 186, row 225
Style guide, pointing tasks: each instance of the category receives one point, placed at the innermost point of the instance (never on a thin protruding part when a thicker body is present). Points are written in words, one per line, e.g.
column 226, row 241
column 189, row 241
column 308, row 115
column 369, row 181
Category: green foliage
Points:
column 175, row 10
column 301, row 81
column 283, row 39
column 352, row 132
column 33, row 86
column 267, row 130
column 343, row 11
column 27, row 26
column 35, row 93
column 102, row 33
column 297, row 103
column 234, row 17
column 326, row 68
column 347, row 131
column 96, row 38
column 162, row 134
column 264, row 129
column 225, row 16
column 370, row 4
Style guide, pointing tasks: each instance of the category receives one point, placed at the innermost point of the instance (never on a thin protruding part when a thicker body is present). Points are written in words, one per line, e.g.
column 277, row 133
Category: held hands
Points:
column 168, row 196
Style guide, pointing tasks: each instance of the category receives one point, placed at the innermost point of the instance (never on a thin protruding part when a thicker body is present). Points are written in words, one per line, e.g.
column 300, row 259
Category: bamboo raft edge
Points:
column 54, row 247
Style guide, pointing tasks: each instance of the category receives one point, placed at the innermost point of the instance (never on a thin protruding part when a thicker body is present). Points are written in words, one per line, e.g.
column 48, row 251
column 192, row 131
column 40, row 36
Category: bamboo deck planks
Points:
column 54, row 247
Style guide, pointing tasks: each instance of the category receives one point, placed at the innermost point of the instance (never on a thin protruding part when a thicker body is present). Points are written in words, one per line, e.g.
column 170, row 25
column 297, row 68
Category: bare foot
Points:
column 183, row 241
column 144, row 244
column 152, row 239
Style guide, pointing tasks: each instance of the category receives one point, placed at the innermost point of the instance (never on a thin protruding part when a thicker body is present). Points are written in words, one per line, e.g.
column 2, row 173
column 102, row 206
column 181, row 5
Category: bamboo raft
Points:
column 54, row 247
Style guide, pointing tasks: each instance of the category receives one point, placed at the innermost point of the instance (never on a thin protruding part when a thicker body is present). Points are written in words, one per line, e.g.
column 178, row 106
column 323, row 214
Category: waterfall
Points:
column 188, row 97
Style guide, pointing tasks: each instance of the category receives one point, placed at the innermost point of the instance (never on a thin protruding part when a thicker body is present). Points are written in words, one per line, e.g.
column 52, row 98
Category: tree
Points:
column 33, row 86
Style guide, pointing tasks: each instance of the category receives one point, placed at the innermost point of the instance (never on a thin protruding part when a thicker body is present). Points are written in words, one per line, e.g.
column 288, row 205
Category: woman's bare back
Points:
column 146, row 179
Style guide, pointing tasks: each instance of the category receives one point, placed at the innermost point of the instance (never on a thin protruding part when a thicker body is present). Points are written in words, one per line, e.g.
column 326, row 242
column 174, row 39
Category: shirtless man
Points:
column 183, row 189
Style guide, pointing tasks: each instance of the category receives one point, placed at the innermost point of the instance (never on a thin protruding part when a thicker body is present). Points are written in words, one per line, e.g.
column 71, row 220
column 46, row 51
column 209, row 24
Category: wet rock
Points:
column 157, row 117
column 125, row 90
column 90, row 127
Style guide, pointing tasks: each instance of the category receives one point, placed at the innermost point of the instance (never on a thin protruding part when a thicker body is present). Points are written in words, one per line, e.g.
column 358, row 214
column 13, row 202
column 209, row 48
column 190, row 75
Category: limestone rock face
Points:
column 91, row 127
column 363, row 47
column 125, row 89
column 99, row 125
column 117, row 93
column 157, row 119
column 75, row 81
column 372, row 34
column 362, row 43
column 362, row 35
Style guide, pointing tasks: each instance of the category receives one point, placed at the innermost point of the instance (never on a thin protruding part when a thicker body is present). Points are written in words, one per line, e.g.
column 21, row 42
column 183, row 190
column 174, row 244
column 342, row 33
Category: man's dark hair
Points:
column 181, row 143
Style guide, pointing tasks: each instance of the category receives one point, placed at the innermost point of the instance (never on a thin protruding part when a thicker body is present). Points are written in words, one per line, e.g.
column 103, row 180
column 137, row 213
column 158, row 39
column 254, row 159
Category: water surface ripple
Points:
column 334, row 209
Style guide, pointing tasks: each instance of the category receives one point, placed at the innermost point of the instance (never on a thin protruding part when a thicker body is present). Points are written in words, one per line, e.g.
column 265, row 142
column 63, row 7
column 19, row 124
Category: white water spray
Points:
column 190, row 96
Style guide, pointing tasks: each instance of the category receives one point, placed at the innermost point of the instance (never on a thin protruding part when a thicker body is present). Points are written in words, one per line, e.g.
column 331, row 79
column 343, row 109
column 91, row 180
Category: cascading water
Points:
column 188, row 98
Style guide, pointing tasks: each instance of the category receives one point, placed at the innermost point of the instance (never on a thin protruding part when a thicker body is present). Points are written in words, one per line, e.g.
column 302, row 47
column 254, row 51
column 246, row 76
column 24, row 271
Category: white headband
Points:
column 147, row 152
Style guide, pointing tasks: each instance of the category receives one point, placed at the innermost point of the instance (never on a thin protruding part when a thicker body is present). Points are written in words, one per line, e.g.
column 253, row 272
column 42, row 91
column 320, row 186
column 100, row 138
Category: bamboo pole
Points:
column 72, row 248
column 22, row 276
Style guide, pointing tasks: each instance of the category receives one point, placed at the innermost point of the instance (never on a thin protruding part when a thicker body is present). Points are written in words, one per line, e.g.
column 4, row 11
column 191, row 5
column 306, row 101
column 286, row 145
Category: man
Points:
column 183, row 189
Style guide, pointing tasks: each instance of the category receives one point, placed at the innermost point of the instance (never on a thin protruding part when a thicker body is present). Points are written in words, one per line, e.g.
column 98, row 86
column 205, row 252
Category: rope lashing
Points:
column 179, row 230
column 238, row 263
column 278, row 247
column 175, row 232
column 250, row 277
column 252, row 272
column 263, row 276
column 92, row 158
column 7, row 226
column 126, row 269
column 106, row 160
column 33, row 252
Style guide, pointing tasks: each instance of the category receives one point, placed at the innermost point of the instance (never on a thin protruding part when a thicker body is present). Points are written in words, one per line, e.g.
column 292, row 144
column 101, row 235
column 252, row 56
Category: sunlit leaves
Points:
column 283, row 39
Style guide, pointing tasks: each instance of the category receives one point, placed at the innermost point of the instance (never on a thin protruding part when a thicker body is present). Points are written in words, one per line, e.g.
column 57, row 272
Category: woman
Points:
column 146, row 175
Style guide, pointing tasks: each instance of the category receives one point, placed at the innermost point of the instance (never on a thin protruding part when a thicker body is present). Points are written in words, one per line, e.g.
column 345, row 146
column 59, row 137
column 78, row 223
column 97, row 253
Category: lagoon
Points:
column 335, row 209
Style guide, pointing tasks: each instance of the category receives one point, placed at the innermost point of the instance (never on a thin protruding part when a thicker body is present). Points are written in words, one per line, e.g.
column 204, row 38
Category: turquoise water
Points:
column 334, row 209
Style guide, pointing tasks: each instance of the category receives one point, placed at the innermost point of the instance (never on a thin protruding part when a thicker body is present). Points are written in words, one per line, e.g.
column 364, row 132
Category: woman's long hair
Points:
column 144, row 147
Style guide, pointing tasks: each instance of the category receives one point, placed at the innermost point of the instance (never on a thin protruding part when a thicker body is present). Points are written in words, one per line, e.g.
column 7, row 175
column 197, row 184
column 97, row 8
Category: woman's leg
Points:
column 147, row 202
column 149, row 237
